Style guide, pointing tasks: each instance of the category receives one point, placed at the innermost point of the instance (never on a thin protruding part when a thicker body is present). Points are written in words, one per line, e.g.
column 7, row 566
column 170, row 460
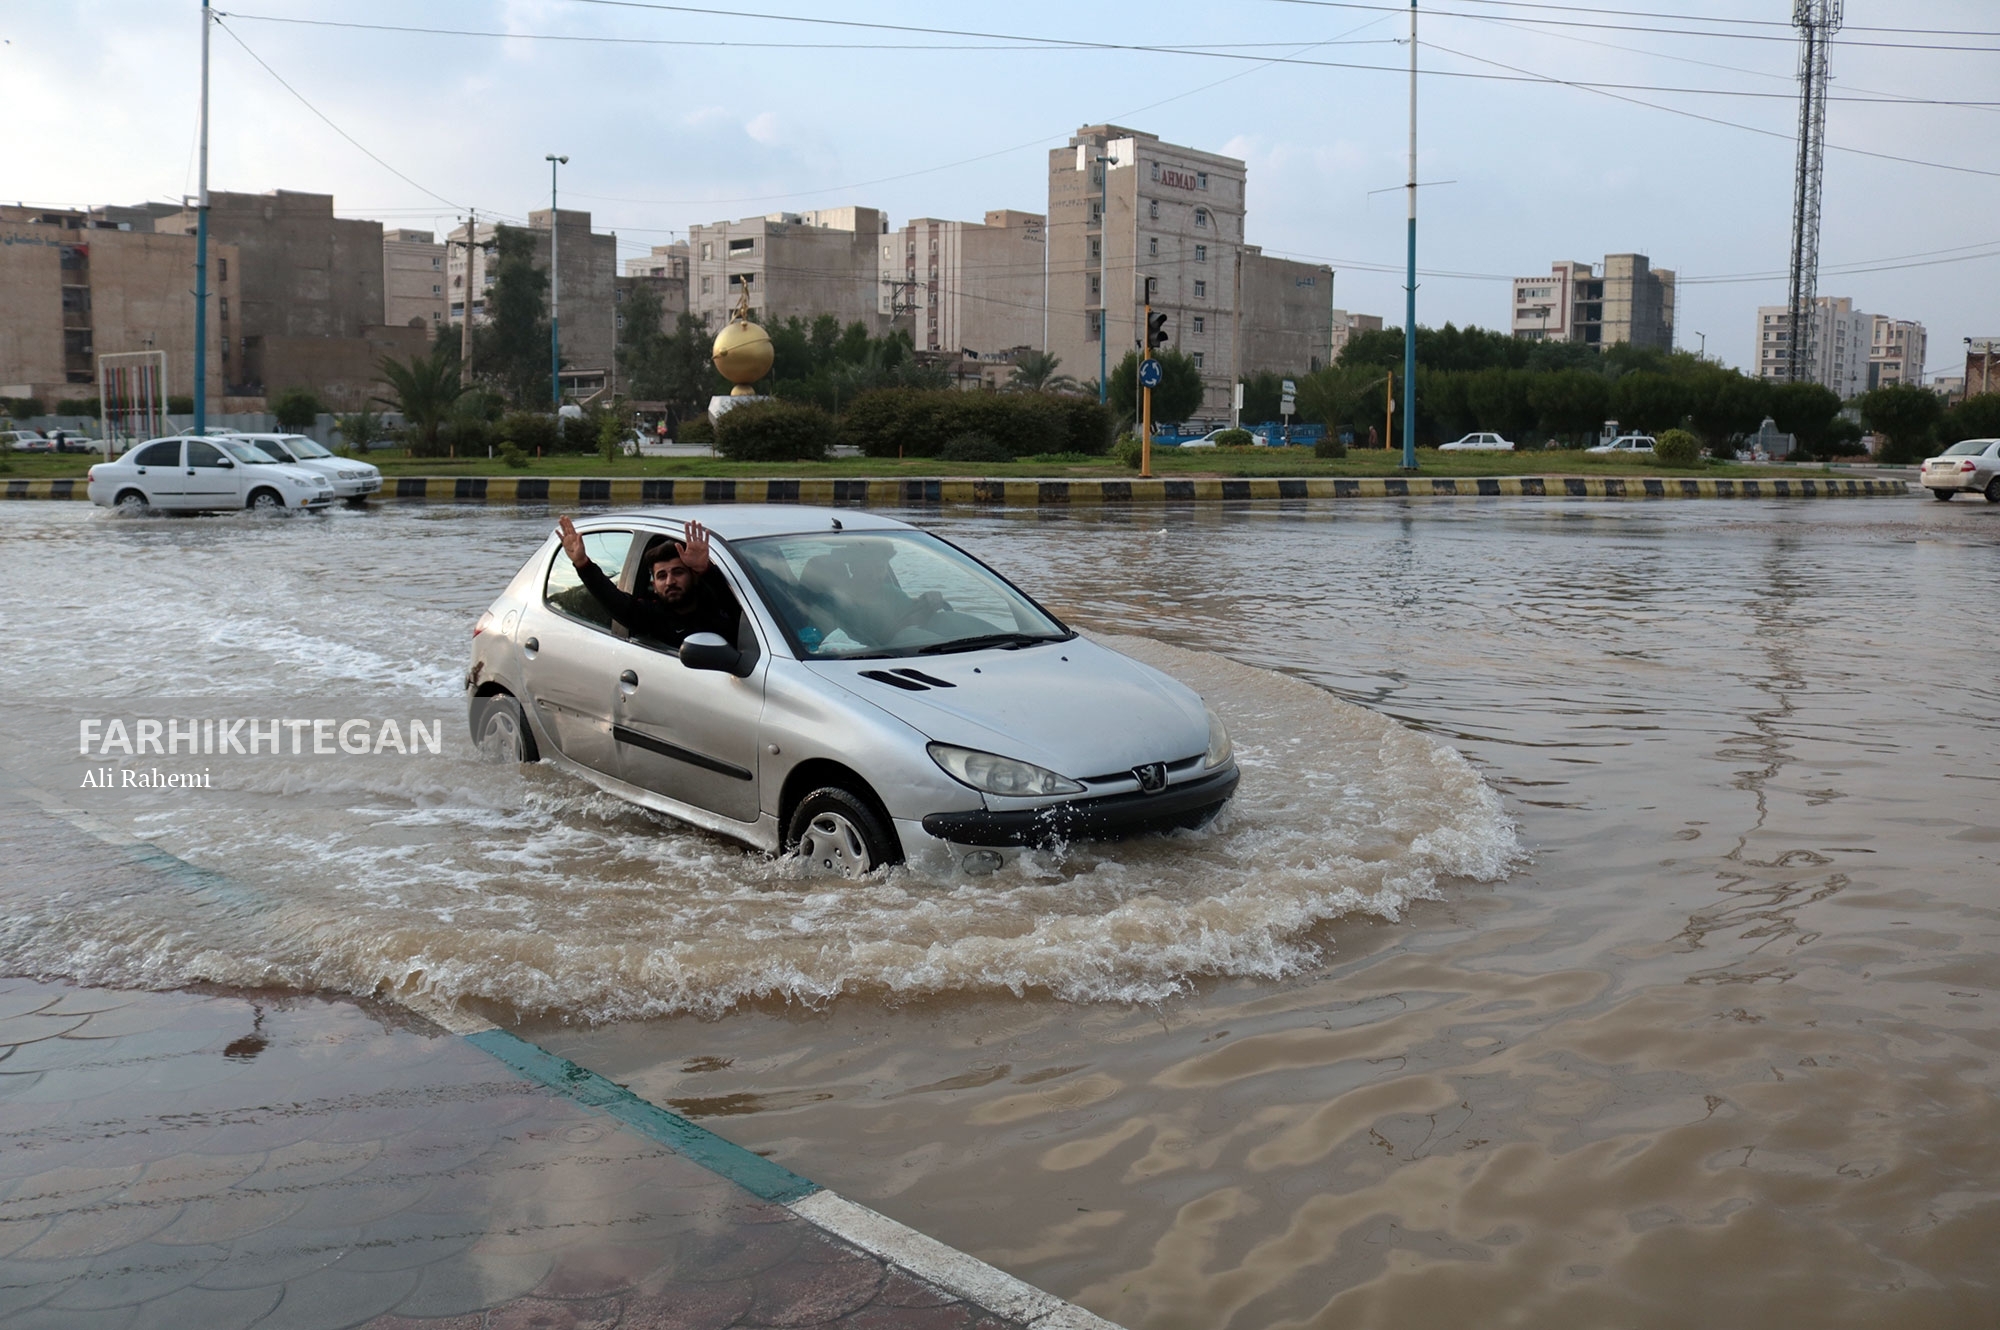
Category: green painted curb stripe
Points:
column 752, row 1172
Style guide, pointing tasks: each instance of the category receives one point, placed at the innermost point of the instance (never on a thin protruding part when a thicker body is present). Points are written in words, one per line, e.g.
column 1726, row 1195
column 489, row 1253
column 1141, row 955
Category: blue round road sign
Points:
column 1150, row 373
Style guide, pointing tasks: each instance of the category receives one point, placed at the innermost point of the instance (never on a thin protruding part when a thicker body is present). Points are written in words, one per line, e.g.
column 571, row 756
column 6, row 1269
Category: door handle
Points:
column 629, row 678
column 531, row 646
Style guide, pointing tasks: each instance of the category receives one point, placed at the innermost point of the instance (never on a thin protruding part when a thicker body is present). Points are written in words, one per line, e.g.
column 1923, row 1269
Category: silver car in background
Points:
column 353, row 481
column 1971, row 466
column 203, row 474
column 888, row 698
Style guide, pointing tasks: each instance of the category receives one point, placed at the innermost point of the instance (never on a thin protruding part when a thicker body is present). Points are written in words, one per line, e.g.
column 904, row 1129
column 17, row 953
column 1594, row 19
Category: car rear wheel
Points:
column 131, row 501
column 500, row 732
column 836, row 833
column 1993, row 490
column 265, row 501
column 1943, row 496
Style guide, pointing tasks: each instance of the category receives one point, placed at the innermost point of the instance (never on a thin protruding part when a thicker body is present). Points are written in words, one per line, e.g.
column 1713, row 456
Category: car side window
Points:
column 564, row 591
column 203, row 454
column 167, row 452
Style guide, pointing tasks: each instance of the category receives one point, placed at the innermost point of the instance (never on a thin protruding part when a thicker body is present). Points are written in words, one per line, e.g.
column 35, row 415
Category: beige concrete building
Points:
column 1896, row 349
column 413, row 277
column 798, row 263
column 663, row 261
column 1157, row 210
column 77, row 284
column 1841, row 339
column 306, row 276
column 1982, row 356
column 1287, row 314
column 1624, row 300
column 1346, row 325
column 586, row 292
column 958, row 287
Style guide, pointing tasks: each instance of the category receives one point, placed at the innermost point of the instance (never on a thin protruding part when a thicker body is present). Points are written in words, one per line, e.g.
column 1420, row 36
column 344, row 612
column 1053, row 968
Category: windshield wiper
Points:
column 1008, row 641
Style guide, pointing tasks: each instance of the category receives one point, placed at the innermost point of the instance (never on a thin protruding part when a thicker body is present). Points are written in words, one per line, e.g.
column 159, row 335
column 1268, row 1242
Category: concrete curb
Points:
column 958, row 1273
column 913, row 492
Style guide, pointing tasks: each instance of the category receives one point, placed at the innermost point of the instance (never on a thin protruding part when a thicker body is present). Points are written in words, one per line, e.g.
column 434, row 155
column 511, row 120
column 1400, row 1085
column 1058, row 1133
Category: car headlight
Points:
column 994, row 774
column 301, row 482
column 1219, row 750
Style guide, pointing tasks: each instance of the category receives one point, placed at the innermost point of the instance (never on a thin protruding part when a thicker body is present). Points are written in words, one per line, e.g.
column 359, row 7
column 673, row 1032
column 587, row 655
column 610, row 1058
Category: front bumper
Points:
column 356, row 489
column 1110, row 818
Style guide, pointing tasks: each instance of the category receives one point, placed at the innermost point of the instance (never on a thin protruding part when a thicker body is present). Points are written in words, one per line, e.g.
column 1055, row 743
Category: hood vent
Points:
column 910, row 681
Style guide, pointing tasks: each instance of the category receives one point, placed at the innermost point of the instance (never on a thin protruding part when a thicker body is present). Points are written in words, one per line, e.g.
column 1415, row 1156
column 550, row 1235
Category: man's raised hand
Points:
column 694, row 548
column 572, row 543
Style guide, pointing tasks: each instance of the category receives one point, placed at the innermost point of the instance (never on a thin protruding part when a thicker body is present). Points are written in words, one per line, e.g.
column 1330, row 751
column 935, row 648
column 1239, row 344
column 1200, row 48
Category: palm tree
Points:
column 425, row 390
column 1035, row 372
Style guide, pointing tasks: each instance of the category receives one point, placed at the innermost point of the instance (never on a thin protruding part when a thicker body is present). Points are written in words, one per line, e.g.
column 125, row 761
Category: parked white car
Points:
column 1970, row 467
column 1477, row 443
column 886, row 697
column 352, row 481
column 1625, row 445
column 27, row 441
column 197, row 474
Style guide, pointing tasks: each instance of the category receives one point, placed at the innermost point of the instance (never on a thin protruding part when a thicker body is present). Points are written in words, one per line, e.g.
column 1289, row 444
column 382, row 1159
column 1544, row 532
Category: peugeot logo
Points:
column 1152, row 777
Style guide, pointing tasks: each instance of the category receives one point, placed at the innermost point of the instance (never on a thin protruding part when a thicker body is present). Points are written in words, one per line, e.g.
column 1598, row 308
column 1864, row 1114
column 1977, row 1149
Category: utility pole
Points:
column 1817, row 21
column 201, row 250
column 465, row 320
column 555, row 285
column 1410, row 286
column 1156, row 335
column 1104, row 165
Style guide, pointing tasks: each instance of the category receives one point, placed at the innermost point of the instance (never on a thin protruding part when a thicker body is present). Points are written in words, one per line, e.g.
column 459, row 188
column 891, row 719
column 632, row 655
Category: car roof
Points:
column 744, row 521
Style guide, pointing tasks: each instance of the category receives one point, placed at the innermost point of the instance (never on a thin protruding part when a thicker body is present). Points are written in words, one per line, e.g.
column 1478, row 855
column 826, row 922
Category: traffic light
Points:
column 1156, row 331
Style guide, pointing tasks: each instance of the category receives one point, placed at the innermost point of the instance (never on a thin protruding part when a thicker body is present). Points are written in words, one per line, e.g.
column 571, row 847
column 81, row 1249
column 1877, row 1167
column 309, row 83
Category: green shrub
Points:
column 578, row 434
column 513, row 456
column 24, row 407
column 775, row 432
column 914, row 422
column 533, row 432
column 698, row 431
column 296, row 408
column 66, row 406
column 1235, row 438
column 1128, row 450
column 1677, row 447
column 1330, row 448
column 973, row 447
column 468, row 436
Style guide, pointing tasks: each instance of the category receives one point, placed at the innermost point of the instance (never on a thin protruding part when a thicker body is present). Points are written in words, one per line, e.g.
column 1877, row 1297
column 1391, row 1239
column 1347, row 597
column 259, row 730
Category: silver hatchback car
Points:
column 888, row 698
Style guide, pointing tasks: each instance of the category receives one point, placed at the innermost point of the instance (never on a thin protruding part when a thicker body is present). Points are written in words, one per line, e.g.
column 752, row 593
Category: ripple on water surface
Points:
column 527, row 889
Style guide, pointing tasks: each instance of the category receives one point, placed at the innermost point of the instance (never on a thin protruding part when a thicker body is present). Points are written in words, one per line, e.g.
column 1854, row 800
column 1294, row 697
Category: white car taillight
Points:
column 481, row 624
column 1968, row 465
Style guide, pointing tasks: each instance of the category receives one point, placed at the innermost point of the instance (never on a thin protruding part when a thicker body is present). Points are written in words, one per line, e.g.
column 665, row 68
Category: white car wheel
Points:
column 266, row 501
column 836, row 834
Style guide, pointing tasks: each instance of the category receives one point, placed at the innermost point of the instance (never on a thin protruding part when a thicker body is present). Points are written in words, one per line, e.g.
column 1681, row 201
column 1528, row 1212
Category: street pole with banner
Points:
column 1287, row 404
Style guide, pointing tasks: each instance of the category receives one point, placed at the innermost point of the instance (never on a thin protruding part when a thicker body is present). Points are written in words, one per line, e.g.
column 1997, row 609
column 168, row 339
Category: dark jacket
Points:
column 711, row 609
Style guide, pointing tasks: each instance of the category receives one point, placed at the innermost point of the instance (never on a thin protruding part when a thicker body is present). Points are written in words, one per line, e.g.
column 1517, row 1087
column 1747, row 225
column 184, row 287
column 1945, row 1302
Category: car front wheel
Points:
column 835, row 833
column 1943, row 496
column 265, row 501
column 499, row 731
column 1993, row 490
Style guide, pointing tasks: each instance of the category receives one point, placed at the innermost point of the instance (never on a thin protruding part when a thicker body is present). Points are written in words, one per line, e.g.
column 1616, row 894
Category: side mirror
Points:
column 226, row 464
column 707, row 651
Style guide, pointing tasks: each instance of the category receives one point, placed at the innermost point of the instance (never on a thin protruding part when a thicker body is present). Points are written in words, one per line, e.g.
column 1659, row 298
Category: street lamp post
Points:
column 1703, row 353
column 555, row 285
column 1104, row 165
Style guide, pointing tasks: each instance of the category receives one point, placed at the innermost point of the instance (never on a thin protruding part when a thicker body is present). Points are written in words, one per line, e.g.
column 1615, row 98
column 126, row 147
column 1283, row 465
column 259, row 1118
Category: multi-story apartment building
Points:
column 663, row 261
column 1627, row 300
column 1838, row 350
column 77, row 284
column 1896, row 349
column 1285, row 309
column 797, row 263
column 978, row 287
column 1981, row 355
column 413, row 278
column 585, row 293
column 1346, row 325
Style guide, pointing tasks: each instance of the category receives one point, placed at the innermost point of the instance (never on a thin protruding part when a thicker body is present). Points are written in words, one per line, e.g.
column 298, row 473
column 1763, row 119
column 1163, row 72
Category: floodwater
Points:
column 1606, row 933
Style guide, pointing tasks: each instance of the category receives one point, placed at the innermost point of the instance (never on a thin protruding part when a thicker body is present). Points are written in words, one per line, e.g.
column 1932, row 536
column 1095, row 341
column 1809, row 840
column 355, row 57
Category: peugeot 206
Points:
column 886, row 698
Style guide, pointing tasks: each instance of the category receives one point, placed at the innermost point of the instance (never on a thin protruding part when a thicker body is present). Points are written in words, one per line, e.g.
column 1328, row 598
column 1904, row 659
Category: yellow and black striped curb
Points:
column 575, row 491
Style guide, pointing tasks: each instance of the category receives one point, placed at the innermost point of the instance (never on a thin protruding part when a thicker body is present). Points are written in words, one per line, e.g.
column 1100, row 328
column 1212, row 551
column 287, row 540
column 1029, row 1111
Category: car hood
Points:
column 1077, row 708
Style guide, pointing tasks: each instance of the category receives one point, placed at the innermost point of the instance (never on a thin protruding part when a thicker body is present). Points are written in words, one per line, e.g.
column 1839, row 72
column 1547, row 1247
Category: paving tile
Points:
column 803, row 1293
column 483, row 1276
column 279, row 1255
column 329, row 1300
column 711, row 1306
column 137, row 1274
column 902, row 1289
column 366, row 1201
column 720, row 1251
column 309, row 1163
column 883, row 1316
column 32, row 1027
column 230, row 1216
column 409, row 1241
column 547, row 1314
column 188, row 1177
column 52, row 1318
column 18, row 1233
column 20, row 998
column 475, row 1321
column 600, row 1271
column 86, row 1233
column 207, row 1309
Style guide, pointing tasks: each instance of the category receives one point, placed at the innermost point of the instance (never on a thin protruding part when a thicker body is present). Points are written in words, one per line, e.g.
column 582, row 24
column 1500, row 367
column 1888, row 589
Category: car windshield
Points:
column 1970, row 448
column 301, row 446
column 864, row 594
column 243, row 452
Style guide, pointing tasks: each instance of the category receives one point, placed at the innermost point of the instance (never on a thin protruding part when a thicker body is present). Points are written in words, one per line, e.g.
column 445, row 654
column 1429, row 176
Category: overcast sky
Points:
column 102, row 98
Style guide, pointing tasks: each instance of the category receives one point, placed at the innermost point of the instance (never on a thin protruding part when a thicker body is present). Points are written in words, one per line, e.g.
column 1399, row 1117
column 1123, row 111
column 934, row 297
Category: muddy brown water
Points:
column 1607, row 936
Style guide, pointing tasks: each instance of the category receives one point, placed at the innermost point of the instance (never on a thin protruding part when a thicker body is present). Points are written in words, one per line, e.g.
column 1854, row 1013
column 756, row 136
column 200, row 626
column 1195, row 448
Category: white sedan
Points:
column 204, row 475
column 1968, row 467
column 1625, row 445
column 352, row 481
column 1477, row 443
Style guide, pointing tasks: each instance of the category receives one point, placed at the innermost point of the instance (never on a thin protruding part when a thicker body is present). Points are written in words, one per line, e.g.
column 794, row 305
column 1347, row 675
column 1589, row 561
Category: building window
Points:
column 1096, row 214
column 1093, row 325
column 1197, row 360
column 1153, row 209
column 436, row 262
column 1199, row 323
column 1201, row 217
column 738, row 246
column 222, row 270
column 437, row 316
column 1095, row 289
column 1201, row 180
column 1156, row 170
column 222, row 306
column 1201, row 253
column 708, row 286
column 1096, row 248
column 1152, row 245
column 436, row 289
column 618, row 321
column 707, row 250
column 1200, row 289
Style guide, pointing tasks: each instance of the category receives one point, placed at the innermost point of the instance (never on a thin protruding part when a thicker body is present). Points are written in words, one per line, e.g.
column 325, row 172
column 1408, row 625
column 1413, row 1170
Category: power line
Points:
column 1670, row 32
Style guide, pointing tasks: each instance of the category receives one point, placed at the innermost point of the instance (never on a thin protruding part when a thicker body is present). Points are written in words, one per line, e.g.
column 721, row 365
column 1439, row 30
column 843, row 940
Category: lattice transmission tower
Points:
column 1817, row 21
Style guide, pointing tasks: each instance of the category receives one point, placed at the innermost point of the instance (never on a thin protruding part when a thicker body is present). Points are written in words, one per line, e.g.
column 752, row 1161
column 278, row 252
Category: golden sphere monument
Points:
column 742, row 350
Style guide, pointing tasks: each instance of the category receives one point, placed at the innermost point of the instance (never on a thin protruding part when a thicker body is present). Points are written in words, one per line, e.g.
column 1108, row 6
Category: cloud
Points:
column 764, row 128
